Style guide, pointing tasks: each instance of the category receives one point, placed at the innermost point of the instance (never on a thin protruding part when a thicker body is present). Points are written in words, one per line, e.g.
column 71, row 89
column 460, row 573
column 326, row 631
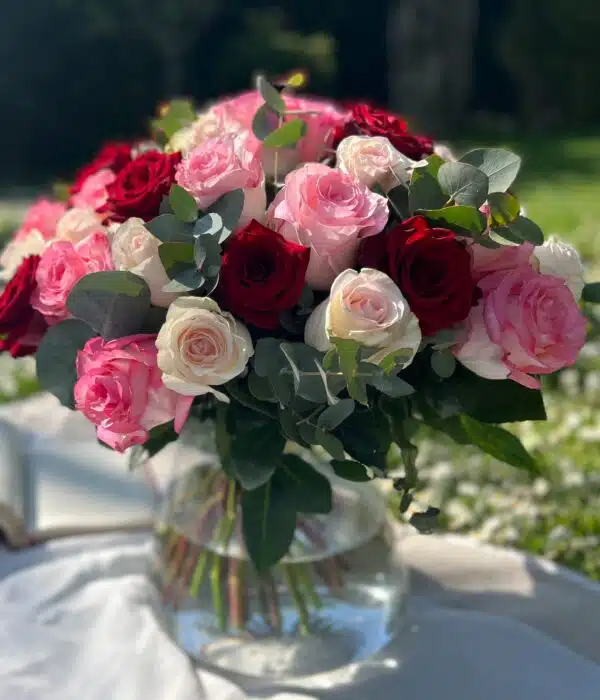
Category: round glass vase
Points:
column 337, row 596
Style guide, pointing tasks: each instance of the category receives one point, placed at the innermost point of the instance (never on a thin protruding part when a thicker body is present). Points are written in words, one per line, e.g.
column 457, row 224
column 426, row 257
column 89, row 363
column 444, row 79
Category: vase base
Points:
column 347, row 627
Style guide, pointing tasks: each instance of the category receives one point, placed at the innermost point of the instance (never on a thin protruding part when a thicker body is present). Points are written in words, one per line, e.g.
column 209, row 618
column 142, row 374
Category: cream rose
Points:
column 17, row 250
column 369, row 308
column 372, row 160
column 200, row 347
column 135, row 249
column 560, row 259
column 77, row 223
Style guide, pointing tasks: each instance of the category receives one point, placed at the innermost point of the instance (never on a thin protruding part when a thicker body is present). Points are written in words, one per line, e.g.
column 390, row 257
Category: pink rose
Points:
column 329, row 212
column 219, row 165
column 62, row 265
column 42, row 216
column 120, row 390
column 488, row 260
column 526, row 323
column 93, row 193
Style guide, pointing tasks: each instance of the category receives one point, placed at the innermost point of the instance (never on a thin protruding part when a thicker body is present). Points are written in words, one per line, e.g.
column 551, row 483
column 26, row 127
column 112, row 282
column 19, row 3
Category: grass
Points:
column 556, row 513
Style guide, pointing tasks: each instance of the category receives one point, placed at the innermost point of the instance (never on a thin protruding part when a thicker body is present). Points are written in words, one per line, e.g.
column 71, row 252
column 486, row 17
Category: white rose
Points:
column 369, row 308
column 16, row 251
column 373, row 160
column 561, row 260
column 444, row 152
column 77, row 223
column 200, row 347
column 135, row 249
column 209, row 124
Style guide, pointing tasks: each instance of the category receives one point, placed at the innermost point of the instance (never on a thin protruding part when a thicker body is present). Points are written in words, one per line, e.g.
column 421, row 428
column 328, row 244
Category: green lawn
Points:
column 557, row 513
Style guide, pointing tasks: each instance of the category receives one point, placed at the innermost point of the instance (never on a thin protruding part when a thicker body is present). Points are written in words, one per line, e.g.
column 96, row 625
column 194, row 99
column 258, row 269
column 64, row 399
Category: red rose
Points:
column 262, row 275
column 365, row 120
column 431, row 267
column 140, row 186
column 21, row 326
column 114, row 156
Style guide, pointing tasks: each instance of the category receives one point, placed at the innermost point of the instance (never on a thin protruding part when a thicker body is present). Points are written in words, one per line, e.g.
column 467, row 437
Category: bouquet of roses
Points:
column 301, row 272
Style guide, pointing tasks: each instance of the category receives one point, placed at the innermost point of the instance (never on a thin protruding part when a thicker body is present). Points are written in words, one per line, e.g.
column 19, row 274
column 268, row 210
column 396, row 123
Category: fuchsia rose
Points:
column 93, row 193
column 43, row 217
column 220, row 165
column 488, row 260
column 62, row 265
column 329, row 212
column 120, row 390
column 525, row 324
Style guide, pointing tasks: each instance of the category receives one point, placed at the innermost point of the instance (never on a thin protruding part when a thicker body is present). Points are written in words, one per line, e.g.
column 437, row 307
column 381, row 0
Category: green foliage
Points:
column 465, row 220
column 504, row 209
column 56, row 355
column 183, row 204
column 169, row 229
column 229, row 208
column 463, row 183
column 113, row 303
column 287, row 135
column 591, row 293
column 270, row 95
column 160, row 437
column 264, row 122
column 500, row 166
column 498, row 443
column 352, row 471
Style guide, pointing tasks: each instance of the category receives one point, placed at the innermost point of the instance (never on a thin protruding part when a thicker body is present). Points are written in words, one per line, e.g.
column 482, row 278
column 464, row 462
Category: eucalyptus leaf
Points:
column 183, row 204
column 229, row 207
column 260, row 388
column 268, row 522
column 56, row 357
column 113, row 303
column 467, row 220
column 427, row 521
column 270, row 95
column 334, row 415
column 498, row 443
column 387, row 383
column 178, row 260
column 311, row 490
column 168, row 228
column 526, row 230
column 208, row 225
column 504, row 208
column 425, row 191
column 591, row 293
column 309, row 382
column 348, row 356
column 464, row 183
column 287, row 135
column 350, row 470
column 501, row 166
column 158, row 438
column 264, row 122
column 399, row 201
column 331, row 444
column 443, row 363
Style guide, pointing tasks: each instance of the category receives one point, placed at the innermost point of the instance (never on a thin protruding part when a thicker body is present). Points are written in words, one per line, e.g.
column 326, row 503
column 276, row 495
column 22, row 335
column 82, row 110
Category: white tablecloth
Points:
column 80, row 620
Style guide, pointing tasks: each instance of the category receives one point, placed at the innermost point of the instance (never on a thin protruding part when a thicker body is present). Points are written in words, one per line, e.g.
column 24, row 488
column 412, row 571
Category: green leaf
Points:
column 183, row 204
column 268, row 522
column 329, row 443
column 168, row 228
column 311, row 490
column 264, row 122
column 425, row 191
column 504, row 208
column 443, row 363
column 287, row 135
column 256, row 448
column 387, row 383
column 366, row 437
column 348, row 356
column 526, row 230
column 229, row 207
column 208, row 225
column 399, row 201
column 260, row 388
column 350, row 470
column 308, row 379
column 463, row 183
column 499, row 165
column 591, row 293
column 159, row 437
column 426, row 522
column 464, row 219
column 336, row 414
column 270, row 95
column 113, row 303
column 498, row 443
column 56, row 355
column 178, row 260
column 486, row 400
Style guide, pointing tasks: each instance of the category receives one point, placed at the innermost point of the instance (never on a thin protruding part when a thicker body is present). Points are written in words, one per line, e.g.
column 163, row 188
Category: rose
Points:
column 21, row 326
column 135, row 249
column 200, row 347
column 373, row 160
column 444, row 152
column 93, row 193
column 431, row 267
column 16, row 251
column 120, row 391
column 113, row 156
column 209, row 124
column 41, row 217
column 504, row 258
column 62, row 265
column 77, row 224
column 369, row 308
column 262, row 275
column 328, row 211
column 561, row 260
column 220, row 165
column 368, row 121
column 526, row 323
column 140, row 186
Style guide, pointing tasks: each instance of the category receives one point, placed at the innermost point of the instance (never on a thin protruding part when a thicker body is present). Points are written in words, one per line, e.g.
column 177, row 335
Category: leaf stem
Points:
column 306, row 581
column 291, row 581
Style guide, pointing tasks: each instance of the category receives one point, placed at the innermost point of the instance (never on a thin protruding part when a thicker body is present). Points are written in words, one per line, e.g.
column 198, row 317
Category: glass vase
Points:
column 337, row 596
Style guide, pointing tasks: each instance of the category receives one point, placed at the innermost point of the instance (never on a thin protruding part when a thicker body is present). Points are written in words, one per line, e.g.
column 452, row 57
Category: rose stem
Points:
column 174, row 567
column 272, row 599
column 326, row 568
column 223, row 536
column 306, row 581
column 289, row 575
column 236, row 593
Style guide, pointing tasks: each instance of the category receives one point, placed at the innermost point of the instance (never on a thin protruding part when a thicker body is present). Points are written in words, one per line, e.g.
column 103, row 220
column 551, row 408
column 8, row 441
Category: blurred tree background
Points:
column 76, row 72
